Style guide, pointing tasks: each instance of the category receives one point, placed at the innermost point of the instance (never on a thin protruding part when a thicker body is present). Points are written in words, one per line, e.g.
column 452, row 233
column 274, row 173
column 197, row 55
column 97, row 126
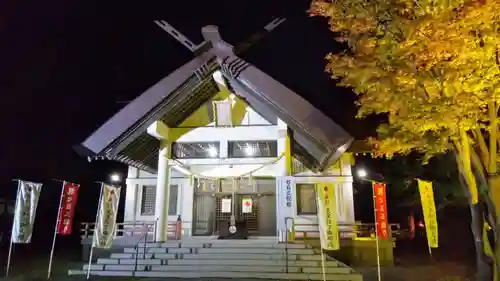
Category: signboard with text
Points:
column 225, row 205
column 67, row 211
column 382, row 224
column 285, row 202
column 327, row 216
column 429, row 210
column 247, row 204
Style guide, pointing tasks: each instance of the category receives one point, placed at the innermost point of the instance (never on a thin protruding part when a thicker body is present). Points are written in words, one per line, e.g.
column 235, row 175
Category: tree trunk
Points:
column 483, row 262
column 494, row 209
column 484, row 270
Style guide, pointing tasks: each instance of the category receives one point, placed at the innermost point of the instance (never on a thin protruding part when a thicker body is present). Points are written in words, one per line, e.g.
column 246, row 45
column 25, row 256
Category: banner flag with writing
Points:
column 429, row 210
column 327, row 216
column 106, row 217
column 285, row 197
column 285, row 200
column 382, row 222
column 28, row 194
column 67, row 211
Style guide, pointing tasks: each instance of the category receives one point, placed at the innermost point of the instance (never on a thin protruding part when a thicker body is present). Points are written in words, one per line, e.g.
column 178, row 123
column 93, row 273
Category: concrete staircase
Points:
column 221, row 259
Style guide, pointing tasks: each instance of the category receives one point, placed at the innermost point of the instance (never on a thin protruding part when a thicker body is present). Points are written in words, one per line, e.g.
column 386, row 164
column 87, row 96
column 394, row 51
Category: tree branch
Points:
column 492, row 112
column 478, row 135
column 467, row 168
column 497, row 58
column 479, row 168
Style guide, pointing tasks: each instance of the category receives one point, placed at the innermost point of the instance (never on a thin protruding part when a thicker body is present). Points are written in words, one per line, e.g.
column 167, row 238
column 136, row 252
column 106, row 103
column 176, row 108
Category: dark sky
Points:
column 66, row 65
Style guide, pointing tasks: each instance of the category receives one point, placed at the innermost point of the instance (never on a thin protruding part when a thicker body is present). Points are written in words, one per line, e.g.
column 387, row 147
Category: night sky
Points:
column 67, row 66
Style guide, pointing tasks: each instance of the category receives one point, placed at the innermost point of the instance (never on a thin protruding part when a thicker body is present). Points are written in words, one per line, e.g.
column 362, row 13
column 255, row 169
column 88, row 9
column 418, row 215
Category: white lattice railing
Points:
column 130, row 228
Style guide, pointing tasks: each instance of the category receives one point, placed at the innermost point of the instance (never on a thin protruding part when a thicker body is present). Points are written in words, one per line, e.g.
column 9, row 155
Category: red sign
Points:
column 68, row 203
column 381, row 211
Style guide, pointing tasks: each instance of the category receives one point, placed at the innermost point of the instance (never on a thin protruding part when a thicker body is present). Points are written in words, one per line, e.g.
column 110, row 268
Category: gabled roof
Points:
column 317, row 140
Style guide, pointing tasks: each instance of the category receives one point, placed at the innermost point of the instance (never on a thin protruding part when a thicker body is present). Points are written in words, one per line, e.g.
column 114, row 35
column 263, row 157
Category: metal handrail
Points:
column 286, row 242
column 136, row 247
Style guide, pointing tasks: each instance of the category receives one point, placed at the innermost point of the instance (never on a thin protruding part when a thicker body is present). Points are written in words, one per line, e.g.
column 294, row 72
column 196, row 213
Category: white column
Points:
column 280, row 194
column 187, row 201
column 347, row 185
column 223, row 153
column 130, row 202
column 162, row 194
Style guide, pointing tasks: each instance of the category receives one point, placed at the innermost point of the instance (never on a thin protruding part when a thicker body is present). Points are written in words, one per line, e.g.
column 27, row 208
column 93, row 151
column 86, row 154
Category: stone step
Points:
column 115, row 267
column 166, row 245
column 223, row 268
column 222, row 244
column 256, row 245
column 327, row 269
column 142, row 256
column 247, row 268
column 72, row 272
column 131, row 261
column 205, row 259
column 215, row 274
column 222, row 250
column 254, row 251
column 159, row 250
column 255, row 262
column 204, row 256
column 311, row 257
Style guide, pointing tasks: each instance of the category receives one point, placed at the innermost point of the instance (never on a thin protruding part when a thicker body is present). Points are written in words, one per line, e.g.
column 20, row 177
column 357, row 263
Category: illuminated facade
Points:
column 214, row 139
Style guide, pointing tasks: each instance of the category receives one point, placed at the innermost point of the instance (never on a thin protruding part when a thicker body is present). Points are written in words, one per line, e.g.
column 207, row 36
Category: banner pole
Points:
column 429, row 245
column 11, row 230
column 49, row 271
column 376, row 233
column 93, row 234
column 323, row 265
column 8, row 259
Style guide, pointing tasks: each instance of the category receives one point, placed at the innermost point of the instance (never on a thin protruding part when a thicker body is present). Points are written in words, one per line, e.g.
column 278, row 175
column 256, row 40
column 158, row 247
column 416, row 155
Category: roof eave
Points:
column 324, row 140
column 137, row 114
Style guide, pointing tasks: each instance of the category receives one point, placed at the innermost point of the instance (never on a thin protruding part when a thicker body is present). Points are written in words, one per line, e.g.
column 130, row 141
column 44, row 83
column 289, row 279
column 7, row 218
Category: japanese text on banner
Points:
column 25, row 211
column 429, row 210
column 67, row 211
column 379, row 190
column 106, row 223
column 327, row 216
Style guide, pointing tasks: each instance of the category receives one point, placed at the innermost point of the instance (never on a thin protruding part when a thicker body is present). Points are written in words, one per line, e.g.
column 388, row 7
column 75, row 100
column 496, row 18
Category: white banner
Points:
column 25, row 211
column 226, row 205
column 286, row 201
column 106, row 217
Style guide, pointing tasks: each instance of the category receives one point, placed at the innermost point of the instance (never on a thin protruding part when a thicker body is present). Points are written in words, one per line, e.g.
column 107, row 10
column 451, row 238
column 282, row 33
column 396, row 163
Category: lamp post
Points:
column 363, row 175
column 115, row 178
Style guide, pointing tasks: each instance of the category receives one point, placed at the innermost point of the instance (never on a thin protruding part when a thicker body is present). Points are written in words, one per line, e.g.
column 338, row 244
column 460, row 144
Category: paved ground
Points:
column 438, row 272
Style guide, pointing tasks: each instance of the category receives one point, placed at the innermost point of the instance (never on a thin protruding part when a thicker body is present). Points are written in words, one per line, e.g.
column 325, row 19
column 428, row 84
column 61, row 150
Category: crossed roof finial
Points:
column 210, row 33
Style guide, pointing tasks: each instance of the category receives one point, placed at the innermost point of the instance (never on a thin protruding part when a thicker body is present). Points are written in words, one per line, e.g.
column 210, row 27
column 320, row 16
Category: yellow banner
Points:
column 429, row 209
column 327, row 216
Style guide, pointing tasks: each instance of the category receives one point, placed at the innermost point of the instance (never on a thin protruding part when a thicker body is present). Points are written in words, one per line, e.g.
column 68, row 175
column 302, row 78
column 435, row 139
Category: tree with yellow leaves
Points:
column 433, row 67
